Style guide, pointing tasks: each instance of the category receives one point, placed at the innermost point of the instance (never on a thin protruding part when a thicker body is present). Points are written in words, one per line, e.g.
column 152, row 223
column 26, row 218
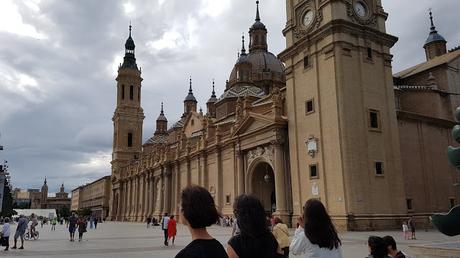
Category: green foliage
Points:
column 84, row 212
column 7, row 207
column 64, row 212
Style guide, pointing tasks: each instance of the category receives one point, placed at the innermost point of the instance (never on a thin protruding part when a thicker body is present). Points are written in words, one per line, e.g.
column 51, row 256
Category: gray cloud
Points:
column 57, row 93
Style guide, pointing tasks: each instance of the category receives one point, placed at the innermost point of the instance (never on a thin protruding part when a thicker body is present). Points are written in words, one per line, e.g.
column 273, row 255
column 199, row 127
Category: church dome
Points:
column 260, row 62
column 434, row 35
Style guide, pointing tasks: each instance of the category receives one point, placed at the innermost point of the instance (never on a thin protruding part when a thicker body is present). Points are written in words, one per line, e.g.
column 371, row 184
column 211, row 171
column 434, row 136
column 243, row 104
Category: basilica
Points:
column 324, row 119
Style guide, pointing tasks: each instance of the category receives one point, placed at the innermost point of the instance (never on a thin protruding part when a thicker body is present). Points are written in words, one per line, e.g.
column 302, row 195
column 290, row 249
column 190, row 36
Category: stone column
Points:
column 147, row 199
column 280, row 184
column 140, row 213
column 167, row 190
column 241, row 180
column 119, row 202
column 220, row 183
column 125, row 200
column 135, row 191
column 153, row 195
column 129, row 201
column 177, row 189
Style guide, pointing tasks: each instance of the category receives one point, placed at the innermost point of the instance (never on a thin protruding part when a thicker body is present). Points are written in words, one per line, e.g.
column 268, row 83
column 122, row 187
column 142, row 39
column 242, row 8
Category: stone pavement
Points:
column 134, row 240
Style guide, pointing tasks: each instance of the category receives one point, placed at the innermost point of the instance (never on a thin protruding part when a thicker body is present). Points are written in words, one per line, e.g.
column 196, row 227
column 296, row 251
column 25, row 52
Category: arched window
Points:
column 130, row 140
column 123, row 91
column 131, row 92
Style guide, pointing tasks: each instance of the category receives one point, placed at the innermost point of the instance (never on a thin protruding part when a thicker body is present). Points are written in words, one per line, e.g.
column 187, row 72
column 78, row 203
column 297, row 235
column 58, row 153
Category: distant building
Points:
column 21, row 197
column 40, row 199
column 94, row 196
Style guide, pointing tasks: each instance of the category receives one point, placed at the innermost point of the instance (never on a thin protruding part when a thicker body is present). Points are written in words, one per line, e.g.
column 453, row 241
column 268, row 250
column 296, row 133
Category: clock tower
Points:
column 343, row 134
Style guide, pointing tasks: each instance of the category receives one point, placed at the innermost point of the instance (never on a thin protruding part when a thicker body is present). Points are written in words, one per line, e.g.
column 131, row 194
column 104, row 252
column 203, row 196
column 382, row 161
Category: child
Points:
column 5, row 234
column 405, row 229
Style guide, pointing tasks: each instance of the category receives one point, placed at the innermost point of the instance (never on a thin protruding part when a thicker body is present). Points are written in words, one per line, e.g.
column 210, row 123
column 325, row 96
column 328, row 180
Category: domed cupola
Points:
column 162, row 122
column 258, row 34
column 130, row 58
column 211, row 104
column 190, row 102
column 435, row 45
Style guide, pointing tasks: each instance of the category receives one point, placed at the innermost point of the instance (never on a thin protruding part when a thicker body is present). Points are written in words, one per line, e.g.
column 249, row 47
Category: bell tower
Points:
column 343, row 132
column 129, row 115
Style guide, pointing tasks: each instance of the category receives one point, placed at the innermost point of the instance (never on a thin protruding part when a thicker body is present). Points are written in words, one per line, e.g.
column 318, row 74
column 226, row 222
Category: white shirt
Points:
column 302, row 246
column 165, row 222
column 6, row 231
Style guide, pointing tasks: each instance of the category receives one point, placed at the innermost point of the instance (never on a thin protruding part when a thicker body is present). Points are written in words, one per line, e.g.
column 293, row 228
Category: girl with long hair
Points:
column 316, row 236
column 255, row 239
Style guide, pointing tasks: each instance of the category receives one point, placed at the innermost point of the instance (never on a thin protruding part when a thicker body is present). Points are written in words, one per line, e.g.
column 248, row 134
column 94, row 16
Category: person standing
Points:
column 405, row 229
column 198, row 212
column 281, row 233
column 316, row 235
column 72, row 222
column 164, row 226
column 392, row 249
column 255, row 239
column 33, row 226
column 149, row 220
column 172, row 229
column 6, row 231
column 412, row 228
column 96, row 220
column 235, row 228
column 53, row 224
column 82, row 224
column 377, row 247
column 20, row 231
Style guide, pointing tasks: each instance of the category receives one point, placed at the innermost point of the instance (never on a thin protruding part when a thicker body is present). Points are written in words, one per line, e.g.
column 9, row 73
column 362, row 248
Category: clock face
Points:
column 308, row 18
column 361, row 9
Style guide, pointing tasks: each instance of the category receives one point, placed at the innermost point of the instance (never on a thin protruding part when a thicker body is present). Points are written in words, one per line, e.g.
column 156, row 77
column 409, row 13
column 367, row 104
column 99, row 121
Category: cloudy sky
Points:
column 59, row 58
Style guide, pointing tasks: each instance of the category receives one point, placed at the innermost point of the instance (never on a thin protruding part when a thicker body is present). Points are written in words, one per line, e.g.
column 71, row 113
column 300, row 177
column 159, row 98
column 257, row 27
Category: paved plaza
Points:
column 134, row 240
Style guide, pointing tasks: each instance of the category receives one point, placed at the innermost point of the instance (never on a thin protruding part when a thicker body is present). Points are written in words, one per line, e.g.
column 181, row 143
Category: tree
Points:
column 7, row 207
column 64, row 212
column 84, row 212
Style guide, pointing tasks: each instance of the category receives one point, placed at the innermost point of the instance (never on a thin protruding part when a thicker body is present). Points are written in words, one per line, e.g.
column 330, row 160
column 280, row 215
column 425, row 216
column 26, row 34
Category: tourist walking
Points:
column 392, row 249
column 82, row 225
column 72, row 222
column 412, row 228
column 20, row 231
column 53, row 224
column 255, row 239
column 172, row 229
column 198, row 212
column 281, row 233
column 6, row 232
column 164, row 227
column 405, row 229
column 377, row 248
column 316, row 235
column 33, row 226
column 149, row 220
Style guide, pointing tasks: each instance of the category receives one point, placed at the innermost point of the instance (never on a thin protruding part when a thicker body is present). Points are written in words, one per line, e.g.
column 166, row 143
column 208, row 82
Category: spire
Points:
column 433, row 28
column 130, row 58
column 44, row 183
column 162, row 111
column 190, row 97
column 213, row 89
column 243, row 49
column 257, row 13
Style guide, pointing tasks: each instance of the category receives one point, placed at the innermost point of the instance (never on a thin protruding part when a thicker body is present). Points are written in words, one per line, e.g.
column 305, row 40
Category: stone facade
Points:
column 323, row 120
column 94, row 196
column 40, row 199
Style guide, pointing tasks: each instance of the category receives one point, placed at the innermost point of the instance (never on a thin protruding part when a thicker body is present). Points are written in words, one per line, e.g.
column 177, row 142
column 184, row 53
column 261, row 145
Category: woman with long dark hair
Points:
column 377, row 247
column 316, row 236
column 255, row 239
column 198, row 212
